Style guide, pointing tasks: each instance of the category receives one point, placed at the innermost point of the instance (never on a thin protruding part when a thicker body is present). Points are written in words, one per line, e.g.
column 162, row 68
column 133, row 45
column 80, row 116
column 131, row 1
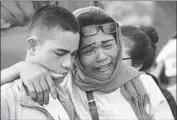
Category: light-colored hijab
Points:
column 124, row 77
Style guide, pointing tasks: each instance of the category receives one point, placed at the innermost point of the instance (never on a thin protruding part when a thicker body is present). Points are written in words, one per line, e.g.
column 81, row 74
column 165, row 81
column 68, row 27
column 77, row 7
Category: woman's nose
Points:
column 101, row 56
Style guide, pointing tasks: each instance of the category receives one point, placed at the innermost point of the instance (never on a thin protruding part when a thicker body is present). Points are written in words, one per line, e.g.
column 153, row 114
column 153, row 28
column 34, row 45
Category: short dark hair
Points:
column 144, row 49
column 51, row 16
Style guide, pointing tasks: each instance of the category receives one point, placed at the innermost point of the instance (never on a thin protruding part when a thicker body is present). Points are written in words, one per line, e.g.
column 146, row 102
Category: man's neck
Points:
column 30, row 58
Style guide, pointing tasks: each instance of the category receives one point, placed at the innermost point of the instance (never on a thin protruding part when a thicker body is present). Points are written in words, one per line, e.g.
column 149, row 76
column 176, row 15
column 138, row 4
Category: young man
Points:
column 50, row 30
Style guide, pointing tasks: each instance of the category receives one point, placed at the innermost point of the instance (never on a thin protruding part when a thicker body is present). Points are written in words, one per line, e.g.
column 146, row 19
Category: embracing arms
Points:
column 36, row 78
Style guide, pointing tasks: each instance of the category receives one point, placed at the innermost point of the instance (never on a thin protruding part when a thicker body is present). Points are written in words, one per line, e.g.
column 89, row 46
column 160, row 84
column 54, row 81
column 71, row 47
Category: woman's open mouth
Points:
column 103, row 68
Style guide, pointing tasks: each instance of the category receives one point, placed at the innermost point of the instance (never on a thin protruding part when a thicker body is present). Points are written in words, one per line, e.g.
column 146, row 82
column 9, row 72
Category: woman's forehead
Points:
column 100, row 37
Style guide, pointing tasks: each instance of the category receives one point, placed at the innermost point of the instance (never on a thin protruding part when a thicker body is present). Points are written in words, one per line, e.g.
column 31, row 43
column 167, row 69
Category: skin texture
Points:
column 98, row 55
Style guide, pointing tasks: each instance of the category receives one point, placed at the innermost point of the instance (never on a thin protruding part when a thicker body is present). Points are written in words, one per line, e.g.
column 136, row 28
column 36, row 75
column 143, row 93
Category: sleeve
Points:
column 5, row 112
column 158, row 107
column 8, row 100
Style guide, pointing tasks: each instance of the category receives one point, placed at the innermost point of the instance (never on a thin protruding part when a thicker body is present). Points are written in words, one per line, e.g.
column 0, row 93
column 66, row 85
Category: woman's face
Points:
column 98, row 55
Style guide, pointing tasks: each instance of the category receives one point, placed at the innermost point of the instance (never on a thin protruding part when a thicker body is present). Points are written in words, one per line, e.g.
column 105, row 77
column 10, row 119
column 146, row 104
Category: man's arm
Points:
column 10, row 74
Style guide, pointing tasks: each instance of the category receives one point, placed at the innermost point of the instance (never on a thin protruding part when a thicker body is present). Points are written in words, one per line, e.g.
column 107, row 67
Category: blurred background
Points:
column 15, row 17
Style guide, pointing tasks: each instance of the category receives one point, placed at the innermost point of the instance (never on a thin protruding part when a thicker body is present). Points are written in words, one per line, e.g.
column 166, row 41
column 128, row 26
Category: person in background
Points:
column 166, row 65
column 140, row 51
column 17, row 13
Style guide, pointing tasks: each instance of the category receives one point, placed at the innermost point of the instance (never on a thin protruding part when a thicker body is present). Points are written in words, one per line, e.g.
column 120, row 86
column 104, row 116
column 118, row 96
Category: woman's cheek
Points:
column 113, row 52
column 87, row 61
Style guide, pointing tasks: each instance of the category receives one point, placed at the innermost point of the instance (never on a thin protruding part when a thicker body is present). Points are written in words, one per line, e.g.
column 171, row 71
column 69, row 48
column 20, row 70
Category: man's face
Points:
column 98, row 55
column 57, row 52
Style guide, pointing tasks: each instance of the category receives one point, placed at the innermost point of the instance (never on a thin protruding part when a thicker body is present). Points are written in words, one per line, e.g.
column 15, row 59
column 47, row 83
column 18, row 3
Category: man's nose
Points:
column 101, row 56
column 67, row 62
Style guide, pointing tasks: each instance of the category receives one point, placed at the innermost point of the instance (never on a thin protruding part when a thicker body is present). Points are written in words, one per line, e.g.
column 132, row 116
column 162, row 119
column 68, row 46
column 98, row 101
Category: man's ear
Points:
column 32, row 44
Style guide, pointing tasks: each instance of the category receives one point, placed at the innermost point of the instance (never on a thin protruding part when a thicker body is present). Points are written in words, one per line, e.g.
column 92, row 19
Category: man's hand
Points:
column 38, row 82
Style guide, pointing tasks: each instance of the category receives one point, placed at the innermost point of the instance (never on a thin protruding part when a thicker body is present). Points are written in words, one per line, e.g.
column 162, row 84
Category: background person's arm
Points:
column 10, row 74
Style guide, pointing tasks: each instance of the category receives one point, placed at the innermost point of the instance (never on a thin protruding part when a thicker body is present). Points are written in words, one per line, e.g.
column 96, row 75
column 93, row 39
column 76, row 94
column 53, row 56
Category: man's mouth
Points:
column 57, row 76
column 64, row 74
column 61, row 75
column 103, row 68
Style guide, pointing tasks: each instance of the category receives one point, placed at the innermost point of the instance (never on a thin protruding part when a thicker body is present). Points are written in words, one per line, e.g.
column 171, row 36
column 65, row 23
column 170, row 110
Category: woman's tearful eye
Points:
column 89, row 52
column 108, row 46
column 74, row 53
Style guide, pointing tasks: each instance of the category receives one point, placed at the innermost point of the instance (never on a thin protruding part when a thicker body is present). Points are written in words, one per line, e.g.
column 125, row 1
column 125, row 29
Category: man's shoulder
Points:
column 8, row 98
column 10, row 92
column 8, row 86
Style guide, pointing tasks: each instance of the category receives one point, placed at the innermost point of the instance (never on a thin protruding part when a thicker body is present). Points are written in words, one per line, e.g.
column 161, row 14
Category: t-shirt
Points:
column 113, row 106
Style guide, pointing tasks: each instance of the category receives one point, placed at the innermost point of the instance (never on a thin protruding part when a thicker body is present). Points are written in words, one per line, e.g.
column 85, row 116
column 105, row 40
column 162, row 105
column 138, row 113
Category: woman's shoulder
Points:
column 146, row 79
column 154, row 92
column 149, row 83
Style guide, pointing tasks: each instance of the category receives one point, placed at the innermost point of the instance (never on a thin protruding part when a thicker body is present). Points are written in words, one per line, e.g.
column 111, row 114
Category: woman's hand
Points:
column 12, row 73
column 38, row 82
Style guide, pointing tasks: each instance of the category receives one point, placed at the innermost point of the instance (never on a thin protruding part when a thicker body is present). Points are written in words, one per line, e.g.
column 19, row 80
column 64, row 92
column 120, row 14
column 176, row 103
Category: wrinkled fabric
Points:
column 17, row 105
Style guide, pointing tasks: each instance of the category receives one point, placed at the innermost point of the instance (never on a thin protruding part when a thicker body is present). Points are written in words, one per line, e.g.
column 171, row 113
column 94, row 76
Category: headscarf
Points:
column 124, row 77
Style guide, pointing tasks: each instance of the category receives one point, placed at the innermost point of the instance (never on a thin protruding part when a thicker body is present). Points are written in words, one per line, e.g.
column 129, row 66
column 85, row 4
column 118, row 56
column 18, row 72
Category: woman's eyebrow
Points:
column 87, row 45
column 105, row 41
